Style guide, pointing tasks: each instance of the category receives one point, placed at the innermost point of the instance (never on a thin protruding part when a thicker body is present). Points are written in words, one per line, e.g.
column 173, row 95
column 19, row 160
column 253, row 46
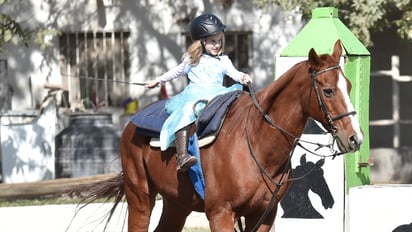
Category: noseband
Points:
column 322, row 105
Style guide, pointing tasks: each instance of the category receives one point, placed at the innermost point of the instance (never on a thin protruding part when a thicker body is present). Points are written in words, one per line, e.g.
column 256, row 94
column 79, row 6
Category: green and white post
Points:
column 321, row 33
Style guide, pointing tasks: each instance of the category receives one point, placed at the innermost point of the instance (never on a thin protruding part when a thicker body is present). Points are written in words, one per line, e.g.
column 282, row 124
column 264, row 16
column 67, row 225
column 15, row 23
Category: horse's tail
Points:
column 112, row 188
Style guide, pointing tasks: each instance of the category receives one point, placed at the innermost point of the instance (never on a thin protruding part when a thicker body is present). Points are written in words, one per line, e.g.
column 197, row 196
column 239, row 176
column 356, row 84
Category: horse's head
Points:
column 329, row 101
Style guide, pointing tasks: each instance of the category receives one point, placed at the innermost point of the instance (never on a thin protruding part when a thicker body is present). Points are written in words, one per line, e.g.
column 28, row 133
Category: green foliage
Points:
column 404, row 24
column 362, row 17
column 41, row 34
column 12, row 32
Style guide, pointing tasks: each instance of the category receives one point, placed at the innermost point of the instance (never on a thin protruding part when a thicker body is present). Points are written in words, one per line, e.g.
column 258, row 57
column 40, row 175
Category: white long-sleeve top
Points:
column 210, row 70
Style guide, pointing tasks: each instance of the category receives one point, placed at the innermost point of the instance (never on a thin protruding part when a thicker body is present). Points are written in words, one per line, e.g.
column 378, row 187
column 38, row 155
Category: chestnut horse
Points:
column 247, row 168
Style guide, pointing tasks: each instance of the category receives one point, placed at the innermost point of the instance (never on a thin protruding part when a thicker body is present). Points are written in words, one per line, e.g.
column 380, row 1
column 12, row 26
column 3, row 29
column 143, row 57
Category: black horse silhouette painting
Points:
column 309, row 176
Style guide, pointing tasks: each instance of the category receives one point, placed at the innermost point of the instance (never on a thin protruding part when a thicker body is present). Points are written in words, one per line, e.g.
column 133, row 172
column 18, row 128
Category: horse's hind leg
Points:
column 140, row 196
column 173, row 217
column 140, row 206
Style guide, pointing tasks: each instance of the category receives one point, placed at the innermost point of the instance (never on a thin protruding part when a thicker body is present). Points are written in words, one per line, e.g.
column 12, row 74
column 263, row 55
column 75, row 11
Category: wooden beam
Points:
column 46, row 188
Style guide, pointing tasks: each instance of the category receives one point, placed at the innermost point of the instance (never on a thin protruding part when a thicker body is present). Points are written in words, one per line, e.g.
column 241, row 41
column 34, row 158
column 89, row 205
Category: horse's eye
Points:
column 329, row 92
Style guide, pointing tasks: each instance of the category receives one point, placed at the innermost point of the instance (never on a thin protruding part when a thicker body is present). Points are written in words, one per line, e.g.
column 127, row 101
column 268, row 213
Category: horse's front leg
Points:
column 221, row 220
column 251, row 222
column 173, row 217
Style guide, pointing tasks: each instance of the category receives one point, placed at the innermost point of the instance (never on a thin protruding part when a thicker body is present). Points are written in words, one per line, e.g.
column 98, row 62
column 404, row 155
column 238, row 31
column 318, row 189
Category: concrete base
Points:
column 55, row 218
column 378, row 208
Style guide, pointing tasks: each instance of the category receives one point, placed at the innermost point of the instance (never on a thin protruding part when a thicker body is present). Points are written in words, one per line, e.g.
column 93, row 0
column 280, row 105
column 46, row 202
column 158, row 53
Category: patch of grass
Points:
column 43, row 201
column 31, row 202
column 50, row 201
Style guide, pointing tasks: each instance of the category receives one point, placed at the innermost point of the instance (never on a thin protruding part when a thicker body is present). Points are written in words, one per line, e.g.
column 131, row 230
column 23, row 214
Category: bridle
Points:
column 268, row 119
column 319, row 97
column 322, row 105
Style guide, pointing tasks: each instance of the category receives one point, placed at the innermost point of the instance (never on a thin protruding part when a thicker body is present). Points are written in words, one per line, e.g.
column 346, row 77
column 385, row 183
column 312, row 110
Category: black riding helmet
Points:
column 205, row 25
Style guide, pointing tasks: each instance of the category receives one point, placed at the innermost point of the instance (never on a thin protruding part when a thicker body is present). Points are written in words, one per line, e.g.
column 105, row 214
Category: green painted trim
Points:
column 321, row 33
column 357, row 69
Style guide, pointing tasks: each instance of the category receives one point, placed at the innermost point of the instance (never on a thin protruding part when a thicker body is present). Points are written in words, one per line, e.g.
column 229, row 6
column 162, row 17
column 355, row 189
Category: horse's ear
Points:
column 313, row 58
column 320, row 163
column 303, row 159
column 337, row 50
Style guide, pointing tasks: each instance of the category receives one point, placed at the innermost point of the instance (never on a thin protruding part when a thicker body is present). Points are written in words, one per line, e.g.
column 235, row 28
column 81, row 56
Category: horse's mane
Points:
column 267, row 95
column 264, row 96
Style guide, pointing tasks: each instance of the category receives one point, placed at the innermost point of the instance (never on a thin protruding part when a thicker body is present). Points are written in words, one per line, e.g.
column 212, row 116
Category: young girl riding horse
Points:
column 205, row 66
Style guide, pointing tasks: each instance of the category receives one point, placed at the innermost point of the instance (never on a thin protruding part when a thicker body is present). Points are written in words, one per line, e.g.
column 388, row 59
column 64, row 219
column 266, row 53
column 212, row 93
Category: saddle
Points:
column 150, row 119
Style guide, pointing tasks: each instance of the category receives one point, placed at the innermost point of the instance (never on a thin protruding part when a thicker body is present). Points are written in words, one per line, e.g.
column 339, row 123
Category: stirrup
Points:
column 184, row 162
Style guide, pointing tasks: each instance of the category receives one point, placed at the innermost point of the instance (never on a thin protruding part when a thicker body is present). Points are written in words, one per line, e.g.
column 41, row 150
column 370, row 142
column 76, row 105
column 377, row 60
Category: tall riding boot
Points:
column 183, row 159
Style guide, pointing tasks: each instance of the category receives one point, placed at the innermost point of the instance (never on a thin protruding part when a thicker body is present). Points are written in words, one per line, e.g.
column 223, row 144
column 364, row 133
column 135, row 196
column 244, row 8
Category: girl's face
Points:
column 214, row 43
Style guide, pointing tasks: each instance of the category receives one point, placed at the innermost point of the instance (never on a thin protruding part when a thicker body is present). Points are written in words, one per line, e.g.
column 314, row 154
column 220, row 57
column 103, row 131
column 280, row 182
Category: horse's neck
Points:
column 281, row 100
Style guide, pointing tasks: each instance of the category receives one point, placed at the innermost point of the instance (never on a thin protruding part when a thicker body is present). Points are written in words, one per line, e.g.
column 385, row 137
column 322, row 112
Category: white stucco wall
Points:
column 156, row 43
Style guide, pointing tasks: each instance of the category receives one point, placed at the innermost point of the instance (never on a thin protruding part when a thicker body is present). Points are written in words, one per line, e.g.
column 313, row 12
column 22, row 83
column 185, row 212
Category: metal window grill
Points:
column 399, row 125
column 88, row 63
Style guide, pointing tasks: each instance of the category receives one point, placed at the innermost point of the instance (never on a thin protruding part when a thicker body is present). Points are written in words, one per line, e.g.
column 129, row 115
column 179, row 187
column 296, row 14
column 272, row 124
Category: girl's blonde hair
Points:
column 195, row 51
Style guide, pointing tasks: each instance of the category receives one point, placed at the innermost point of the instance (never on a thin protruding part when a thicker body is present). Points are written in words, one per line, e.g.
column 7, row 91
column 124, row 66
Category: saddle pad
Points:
column 211, row 118
column 150, row 119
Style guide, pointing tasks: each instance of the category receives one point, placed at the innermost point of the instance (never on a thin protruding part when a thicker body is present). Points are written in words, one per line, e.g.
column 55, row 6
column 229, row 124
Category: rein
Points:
column 268, row 119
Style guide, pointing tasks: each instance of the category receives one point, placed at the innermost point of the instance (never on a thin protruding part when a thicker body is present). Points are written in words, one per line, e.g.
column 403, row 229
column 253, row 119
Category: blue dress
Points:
column 205, row 83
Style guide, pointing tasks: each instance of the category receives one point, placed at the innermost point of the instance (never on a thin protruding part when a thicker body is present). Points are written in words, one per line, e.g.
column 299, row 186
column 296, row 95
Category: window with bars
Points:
column 238, row 48
column 390, row 100
column 92, row 64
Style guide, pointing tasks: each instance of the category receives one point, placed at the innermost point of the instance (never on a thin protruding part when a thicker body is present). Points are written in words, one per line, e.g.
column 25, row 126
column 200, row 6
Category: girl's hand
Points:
column 151, row 84
column 246, row 79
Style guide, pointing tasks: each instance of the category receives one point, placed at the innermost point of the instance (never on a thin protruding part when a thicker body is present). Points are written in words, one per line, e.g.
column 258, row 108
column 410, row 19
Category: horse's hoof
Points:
column 187, row 162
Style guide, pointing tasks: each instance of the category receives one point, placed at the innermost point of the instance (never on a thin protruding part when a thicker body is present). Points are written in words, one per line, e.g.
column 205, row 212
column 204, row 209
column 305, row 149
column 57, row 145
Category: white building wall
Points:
column 156, row 43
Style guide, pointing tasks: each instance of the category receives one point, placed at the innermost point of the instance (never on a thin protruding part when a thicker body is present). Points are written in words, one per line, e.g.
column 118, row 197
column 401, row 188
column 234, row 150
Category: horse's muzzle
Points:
column 355, row 142
column 349, row 144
